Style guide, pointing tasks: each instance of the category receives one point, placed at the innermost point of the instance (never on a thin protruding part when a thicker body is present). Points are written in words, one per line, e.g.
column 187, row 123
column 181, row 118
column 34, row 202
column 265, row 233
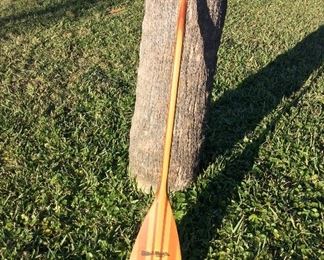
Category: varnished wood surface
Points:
column 158, row 237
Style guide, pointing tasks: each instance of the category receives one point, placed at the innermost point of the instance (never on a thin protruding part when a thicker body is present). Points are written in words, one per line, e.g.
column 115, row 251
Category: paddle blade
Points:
column 158, row 235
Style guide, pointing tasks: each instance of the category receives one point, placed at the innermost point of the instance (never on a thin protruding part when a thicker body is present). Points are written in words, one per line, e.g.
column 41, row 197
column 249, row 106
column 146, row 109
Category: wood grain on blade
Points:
column 158, row 236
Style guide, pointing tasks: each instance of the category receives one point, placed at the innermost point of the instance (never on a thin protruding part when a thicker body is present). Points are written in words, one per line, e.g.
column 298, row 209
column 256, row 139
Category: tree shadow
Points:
column 73, row 9
column 235, row 115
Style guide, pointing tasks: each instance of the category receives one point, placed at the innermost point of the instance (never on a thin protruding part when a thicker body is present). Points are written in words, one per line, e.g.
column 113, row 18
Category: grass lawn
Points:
column 67, row 93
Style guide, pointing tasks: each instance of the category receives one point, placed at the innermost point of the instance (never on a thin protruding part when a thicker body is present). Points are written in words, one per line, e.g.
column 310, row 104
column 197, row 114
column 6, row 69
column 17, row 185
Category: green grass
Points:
column 67, row 92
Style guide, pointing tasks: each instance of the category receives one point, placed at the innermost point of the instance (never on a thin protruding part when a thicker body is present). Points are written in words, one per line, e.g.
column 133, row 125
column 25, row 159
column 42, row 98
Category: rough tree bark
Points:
column 205, row 20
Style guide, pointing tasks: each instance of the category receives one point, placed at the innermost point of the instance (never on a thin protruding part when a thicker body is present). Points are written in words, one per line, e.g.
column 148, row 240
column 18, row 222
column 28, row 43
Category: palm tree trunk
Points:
column 205, row 20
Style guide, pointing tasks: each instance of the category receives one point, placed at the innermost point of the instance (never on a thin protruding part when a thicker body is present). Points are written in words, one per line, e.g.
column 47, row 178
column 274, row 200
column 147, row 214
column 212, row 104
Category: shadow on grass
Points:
column 234, row 116
column 18, row 23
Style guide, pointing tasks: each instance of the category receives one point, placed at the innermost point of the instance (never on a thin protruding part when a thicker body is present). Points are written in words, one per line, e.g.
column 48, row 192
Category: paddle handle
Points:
column 173, row 96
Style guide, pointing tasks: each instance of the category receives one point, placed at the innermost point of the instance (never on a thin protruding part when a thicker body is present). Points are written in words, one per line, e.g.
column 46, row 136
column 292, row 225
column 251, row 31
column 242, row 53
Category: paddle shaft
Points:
column 173, row 96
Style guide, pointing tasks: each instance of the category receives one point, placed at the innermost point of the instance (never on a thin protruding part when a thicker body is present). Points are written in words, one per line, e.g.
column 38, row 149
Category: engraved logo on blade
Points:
column 155, row 253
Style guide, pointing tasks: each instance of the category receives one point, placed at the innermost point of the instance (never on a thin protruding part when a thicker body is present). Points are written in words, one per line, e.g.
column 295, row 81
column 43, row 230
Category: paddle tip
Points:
column 158, row 236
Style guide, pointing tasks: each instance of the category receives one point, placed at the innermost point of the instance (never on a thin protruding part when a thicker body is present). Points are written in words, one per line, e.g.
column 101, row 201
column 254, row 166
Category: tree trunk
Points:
column 205, row 19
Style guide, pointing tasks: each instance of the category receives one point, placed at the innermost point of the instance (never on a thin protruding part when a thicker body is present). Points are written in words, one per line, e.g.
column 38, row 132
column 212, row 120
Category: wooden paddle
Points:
column 158, row 235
